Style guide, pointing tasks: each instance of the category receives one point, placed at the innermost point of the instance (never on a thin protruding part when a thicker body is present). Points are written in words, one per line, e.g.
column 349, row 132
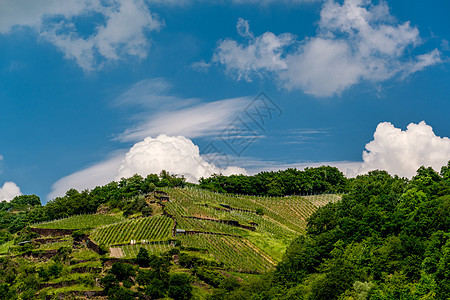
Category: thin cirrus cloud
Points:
column 165, row 113
column 122, row 33
column 355, row 41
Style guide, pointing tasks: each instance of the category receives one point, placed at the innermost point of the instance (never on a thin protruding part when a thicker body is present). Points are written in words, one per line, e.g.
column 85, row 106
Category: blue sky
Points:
column 91, row 90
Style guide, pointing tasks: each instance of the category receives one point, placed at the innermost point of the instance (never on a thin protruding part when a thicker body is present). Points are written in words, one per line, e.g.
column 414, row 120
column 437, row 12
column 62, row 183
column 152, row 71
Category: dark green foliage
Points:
column 147, row 211
column 143, row 259
column 109, row 281
column 54, row 270
column 5, row 236
column 7, row 292
column 156, row 280
column 211, row 277
column 123, row 271
column 121, row 293
column 103, row 249
column 25, row 201
column 137, row 205
column 78, row 235
column 180, row 287
column 25, row 235
column 62, row 254
column 323, row 179
column 387, row 239
column 190, row 261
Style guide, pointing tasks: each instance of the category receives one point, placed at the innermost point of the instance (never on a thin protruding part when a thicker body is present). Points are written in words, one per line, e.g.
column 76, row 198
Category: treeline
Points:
column 323, row 179
column 388, row 238
column 25, row 210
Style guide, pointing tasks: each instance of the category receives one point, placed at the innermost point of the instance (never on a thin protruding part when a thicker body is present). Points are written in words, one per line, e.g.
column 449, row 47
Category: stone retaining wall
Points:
column 51, row 232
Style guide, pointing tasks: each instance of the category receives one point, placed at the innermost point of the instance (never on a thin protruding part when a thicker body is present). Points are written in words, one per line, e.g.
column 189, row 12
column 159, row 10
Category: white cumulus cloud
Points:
column 122, row 33
column 262, row 53
column 355, row 41
column 175, row 154
column 9, row 190
column 403, row 152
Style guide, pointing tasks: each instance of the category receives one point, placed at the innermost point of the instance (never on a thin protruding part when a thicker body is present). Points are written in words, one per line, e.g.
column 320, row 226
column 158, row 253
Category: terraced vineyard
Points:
column 282, row 218
column 285, row 216
column 235, row 253
column 245, row 233
column 131, row 251
column 157, row 228
column 81, row 222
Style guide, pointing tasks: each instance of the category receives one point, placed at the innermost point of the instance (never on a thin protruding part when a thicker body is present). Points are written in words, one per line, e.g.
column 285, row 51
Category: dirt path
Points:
column 115, row 252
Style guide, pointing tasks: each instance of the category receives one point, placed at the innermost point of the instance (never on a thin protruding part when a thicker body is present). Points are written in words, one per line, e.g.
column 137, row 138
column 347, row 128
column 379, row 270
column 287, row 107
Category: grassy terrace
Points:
column 81, row 222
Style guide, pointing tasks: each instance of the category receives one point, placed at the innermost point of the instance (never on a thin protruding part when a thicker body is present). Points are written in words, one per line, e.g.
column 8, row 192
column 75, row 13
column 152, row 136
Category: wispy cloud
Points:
column 305, row 135
column 356, row 41
column 95, row 175
column 164, row 113
column 201, row 120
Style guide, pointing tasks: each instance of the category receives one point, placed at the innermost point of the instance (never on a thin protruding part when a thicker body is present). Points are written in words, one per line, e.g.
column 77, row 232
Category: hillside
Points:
column 230, row 233
column 385, row 238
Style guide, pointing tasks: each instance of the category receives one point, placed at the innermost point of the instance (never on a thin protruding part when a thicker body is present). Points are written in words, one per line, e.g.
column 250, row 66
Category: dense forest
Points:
column 388, row 238
column 323, row 179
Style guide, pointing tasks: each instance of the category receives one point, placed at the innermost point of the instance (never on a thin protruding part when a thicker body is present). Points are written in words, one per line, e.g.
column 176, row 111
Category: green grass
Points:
column 131, row 251
column 81, row 222
column 71, row 277
column 56, row 245
column 66, row 289
column 88, row 264
column 85, row 254
column 274, row 247
column 157, row 228
column 4, row 248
